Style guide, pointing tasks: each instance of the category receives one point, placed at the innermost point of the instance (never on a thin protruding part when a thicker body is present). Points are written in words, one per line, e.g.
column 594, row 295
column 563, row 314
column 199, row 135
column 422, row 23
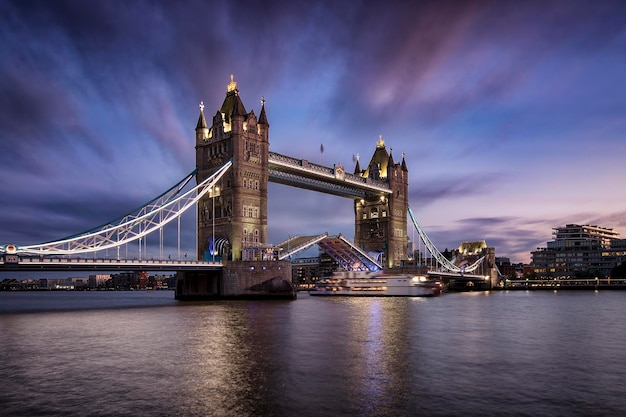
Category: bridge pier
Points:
column 238, row 280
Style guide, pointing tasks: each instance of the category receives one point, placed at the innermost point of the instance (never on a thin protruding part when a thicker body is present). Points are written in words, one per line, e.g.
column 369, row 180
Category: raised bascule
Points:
column 234, row 165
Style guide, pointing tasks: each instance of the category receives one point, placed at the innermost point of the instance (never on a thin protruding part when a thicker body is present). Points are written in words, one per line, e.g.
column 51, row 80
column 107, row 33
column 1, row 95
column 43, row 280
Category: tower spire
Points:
column 201, row 119
column 357, row 167
column 263, row 116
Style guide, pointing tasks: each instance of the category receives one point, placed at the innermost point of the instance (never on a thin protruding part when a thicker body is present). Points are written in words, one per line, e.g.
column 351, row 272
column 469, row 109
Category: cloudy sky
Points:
column 512, row 114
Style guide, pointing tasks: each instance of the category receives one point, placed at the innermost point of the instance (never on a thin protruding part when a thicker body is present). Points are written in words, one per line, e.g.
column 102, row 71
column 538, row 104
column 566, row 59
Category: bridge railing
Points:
column 76, row 260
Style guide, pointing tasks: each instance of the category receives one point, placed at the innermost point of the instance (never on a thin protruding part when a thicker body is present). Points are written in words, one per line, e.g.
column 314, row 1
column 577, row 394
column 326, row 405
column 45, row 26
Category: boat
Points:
column 376, row 284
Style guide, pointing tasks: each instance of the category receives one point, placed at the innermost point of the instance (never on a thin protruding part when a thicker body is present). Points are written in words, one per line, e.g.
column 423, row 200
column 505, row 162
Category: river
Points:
column 142, row 353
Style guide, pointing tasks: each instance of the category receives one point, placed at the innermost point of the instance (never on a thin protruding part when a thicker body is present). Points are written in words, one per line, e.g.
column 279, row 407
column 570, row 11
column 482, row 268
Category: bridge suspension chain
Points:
column 140, row 222
column 442, row 260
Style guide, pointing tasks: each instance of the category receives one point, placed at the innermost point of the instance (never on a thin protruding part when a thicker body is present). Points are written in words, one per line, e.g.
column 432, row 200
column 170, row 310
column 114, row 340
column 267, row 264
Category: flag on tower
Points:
column 322, row 148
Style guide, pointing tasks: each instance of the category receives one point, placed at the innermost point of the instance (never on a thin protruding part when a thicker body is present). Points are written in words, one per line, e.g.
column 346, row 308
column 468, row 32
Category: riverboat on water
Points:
column 373, row 284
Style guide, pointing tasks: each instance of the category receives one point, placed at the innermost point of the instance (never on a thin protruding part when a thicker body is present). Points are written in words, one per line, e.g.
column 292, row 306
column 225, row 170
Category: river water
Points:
column 144, row 354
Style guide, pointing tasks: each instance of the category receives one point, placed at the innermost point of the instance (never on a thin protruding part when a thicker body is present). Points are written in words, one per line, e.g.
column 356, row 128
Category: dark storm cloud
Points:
column 139, row 59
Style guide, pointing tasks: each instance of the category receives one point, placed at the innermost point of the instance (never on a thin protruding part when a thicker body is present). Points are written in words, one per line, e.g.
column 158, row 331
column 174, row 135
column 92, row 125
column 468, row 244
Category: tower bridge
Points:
column 233, row 168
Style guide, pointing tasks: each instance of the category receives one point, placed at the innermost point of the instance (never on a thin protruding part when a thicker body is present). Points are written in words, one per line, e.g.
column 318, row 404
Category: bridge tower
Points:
column 233, row 216
column 381, row 220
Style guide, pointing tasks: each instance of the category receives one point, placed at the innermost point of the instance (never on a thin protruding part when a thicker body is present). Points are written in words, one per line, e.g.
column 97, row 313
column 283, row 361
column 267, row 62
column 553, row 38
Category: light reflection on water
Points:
column 145, row 354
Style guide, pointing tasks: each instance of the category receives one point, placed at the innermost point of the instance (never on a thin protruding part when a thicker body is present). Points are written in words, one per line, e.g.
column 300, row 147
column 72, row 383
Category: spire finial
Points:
column 232, row 86
column 381, row 142
column 201, row 105
column 262, row 100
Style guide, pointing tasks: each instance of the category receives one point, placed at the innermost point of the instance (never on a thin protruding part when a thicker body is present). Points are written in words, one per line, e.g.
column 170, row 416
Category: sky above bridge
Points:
column 512, row 115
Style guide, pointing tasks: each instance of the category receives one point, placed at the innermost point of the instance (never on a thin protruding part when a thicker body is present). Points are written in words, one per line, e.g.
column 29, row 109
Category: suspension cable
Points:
column 133, row 226
column 442, row 260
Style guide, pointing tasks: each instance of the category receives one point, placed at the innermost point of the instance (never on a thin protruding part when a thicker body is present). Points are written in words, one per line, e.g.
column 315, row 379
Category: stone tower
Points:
column 233, row 216
column 381, row 220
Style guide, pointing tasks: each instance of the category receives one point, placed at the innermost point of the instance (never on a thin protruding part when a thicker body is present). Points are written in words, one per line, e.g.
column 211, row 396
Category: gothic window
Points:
column 245, row 235
column 245, row 183
column 256, row 235
column 383, row 213
column 374, row 213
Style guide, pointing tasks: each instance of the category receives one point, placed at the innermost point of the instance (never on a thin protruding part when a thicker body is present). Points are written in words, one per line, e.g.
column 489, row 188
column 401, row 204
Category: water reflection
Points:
column 460, row 354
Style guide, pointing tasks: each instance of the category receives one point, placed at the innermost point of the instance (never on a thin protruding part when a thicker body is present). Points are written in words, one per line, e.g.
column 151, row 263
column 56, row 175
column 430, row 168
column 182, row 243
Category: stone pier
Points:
column 238, row 280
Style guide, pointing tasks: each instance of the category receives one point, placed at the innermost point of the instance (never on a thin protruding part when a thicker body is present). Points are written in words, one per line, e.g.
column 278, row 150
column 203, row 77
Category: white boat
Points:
column 365, row 283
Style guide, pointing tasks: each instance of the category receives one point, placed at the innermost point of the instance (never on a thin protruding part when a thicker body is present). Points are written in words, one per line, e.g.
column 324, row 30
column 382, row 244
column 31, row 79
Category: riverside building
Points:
column 579, row 251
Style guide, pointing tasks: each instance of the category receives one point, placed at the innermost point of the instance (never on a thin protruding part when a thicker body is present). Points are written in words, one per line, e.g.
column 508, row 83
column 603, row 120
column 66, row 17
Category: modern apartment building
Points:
column 579, row 250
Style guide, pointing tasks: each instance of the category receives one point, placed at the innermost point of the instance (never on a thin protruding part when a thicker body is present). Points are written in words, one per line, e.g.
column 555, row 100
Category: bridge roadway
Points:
column 86, row 264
